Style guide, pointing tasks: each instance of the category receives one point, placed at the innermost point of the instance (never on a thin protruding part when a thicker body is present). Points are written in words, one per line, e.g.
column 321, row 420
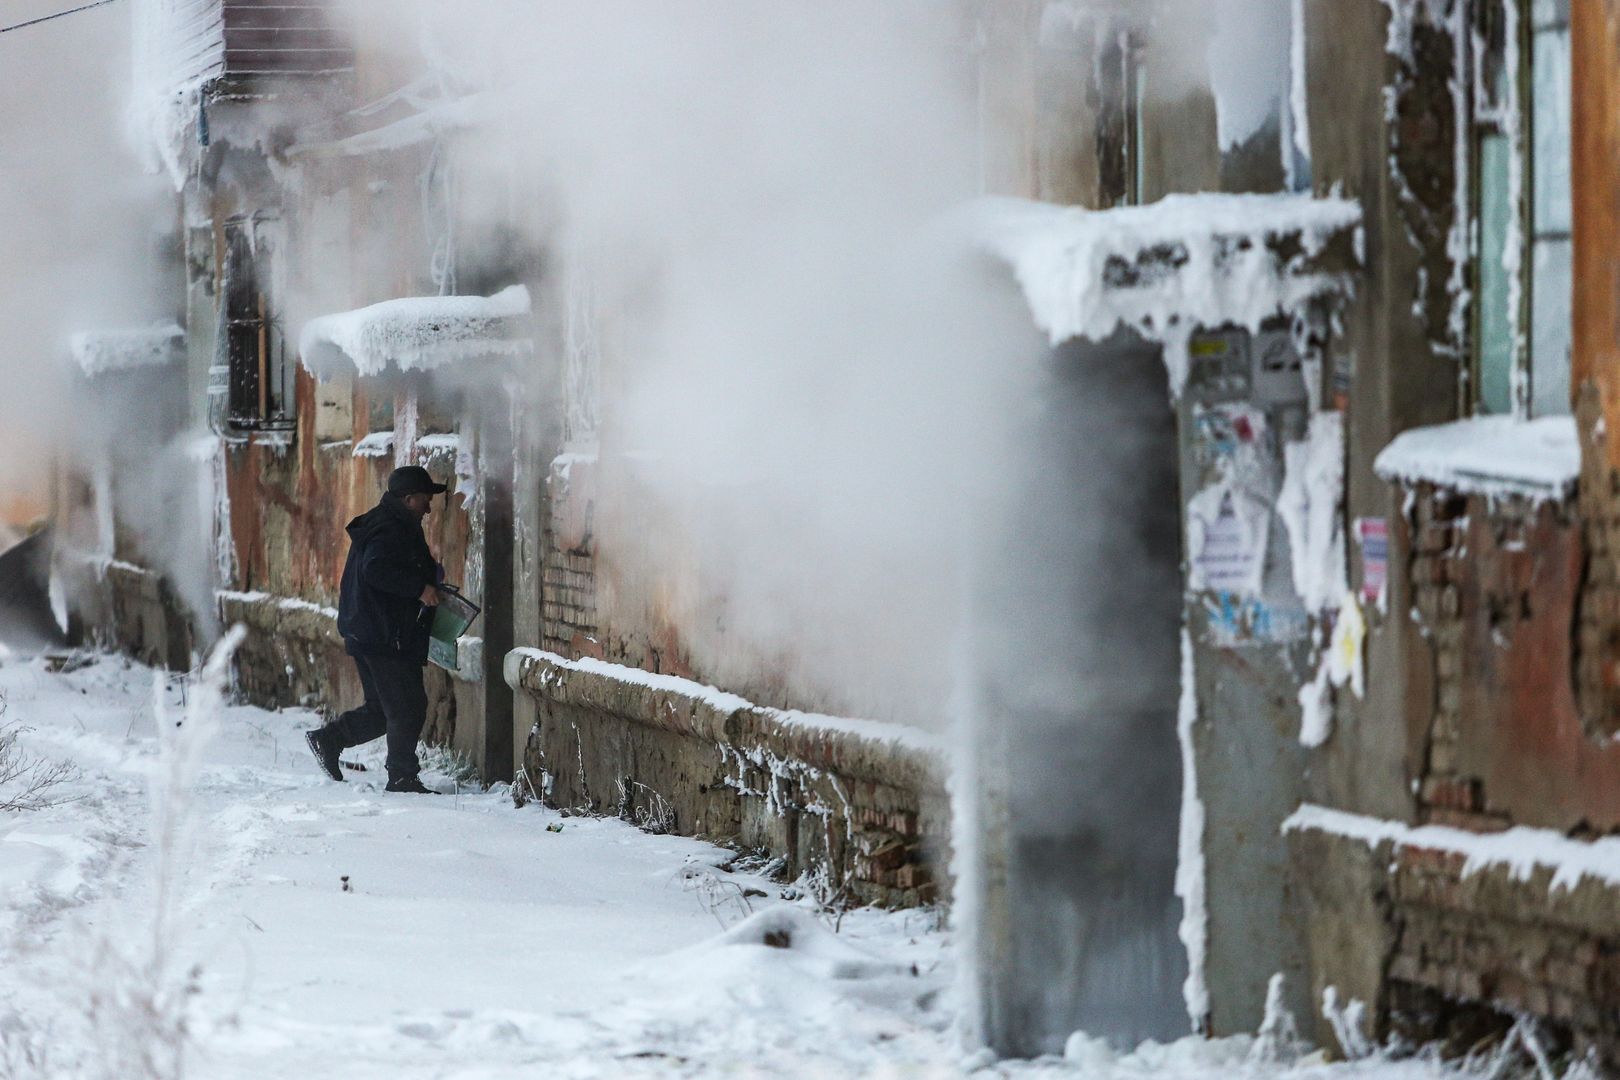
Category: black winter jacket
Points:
column 379, row 600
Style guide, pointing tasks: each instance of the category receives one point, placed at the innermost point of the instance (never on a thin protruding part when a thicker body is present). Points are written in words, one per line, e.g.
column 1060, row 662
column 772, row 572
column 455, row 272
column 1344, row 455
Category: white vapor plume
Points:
column 804, row 400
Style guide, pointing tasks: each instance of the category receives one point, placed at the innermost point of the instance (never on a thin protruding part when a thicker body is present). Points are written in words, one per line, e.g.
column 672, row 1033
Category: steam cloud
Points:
column 801, row 394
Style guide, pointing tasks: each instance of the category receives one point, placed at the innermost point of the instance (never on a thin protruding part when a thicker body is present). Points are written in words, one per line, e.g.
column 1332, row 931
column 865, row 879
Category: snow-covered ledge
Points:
column 417, row 333
column 100, row 352
column 1521, row 852
column 1494, row 456
column 868, row 748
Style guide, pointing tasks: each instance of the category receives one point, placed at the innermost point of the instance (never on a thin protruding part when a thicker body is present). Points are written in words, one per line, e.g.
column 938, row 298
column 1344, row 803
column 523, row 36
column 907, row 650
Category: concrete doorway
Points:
column 1078, row 919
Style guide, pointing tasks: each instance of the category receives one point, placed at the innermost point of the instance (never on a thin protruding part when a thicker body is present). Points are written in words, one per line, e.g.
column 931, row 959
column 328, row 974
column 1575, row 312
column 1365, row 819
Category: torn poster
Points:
column 1373, row 533
column 1227, row 532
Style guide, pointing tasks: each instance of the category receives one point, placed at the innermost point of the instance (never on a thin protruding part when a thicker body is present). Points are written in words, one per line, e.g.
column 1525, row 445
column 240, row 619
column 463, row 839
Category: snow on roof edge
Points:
column 1192, row 261
column 1496, row 456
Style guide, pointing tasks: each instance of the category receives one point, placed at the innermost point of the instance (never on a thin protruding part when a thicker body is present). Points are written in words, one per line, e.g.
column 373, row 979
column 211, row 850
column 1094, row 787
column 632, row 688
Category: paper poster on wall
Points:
column 1373, row 534
column 1229, row 529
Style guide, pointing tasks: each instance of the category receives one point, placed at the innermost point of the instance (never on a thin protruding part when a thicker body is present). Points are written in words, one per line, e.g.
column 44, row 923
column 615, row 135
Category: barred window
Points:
column 261, row 374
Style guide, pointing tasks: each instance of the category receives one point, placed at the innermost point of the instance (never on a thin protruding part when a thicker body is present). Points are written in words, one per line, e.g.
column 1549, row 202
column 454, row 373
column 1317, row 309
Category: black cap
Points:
column 413, row 480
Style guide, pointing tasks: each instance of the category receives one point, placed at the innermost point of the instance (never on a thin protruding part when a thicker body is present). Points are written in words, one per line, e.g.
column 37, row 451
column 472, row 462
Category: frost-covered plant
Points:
column 28, row 782
column 459, row 767
column 716, row 892
column 139, row 1003
column 830, row 898
column 654, row 814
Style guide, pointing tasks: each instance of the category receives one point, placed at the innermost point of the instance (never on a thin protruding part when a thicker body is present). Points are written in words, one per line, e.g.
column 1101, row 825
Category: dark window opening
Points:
column 261, row 374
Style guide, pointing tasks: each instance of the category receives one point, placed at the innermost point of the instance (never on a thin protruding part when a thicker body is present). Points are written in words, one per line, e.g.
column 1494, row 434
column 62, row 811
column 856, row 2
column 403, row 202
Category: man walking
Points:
column 389, row 580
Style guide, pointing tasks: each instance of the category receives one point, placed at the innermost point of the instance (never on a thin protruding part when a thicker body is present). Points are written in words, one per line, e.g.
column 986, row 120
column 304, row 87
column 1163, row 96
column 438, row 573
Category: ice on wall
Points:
column 415, row 333
column 1312, row 490
column 1341, row 664
column 119, row 350
column 1165, row 269
column 1194, row 929
column 177, row 46
column 1298, row 89
column 1494, row 456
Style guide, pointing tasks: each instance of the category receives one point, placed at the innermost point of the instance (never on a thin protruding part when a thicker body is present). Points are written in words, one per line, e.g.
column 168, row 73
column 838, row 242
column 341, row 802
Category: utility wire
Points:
column 58, row 15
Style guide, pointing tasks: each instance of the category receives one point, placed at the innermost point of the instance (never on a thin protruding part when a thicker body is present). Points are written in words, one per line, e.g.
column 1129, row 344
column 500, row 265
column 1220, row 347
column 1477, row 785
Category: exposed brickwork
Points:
column 1511, row 945
column 1597, row 653
column 871, row 812
column 568, row 604
column 568, row 615
column 1497, row 590
column 137, row 612
column 1438, row 528
column 1502, row 591
column 1456, row 954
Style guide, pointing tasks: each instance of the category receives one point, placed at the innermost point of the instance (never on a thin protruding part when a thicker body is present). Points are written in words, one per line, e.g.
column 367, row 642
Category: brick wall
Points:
column 1439, row 950
column 568, row 615
column 866, row 803
column 1504, row 592
column 568, row 606
column 1511, row 596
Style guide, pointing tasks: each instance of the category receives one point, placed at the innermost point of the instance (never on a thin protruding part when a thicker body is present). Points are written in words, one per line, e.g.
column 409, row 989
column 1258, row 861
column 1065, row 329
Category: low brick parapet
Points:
column 1519, row 921
column 864, row 802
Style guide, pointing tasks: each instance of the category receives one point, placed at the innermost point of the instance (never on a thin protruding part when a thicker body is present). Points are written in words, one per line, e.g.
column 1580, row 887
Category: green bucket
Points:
column 450, row 620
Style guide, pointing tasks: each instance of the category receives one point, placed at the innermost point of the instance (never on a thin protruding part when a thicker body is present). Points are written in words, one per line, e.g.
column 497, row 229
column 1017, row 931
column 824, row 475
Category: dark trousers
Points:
column 396, row 706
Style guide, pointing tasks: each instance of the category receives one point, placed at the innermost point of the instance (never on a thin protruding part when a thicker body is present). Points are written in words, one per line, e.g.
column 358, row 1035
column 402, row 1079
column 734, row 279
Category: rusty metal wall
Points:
column 1595, row 182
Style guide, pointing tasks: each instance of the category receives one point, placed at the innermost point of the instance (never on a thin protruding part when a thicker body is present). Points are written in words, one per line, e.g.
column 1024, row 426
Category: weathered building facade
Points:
column 1370, row 630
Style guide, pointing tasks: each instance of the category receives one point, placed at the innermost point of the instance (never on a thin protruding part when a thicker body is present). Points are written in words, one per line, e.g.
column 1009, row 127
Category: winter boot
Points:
column 410, row 785
column 323, row 744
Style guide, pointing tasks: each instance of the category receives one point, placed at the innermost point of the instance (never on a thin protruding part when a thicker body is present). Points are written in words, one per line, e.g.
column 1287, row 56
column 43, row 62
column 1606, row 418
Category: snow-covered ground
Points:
column 325, row 930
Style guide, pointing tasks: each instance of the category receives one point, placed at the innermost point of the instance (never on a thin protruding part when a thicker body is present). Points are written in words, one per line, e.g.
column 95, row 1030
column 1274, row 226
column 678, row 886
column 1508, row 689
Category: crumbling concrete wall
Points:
column 865, row 802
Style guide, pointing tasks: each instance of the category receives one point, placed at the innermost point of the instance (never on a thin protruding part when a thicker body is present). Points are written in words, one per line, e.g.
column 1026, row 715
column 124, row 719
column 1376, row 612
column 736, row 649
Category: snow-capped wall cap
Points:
column 1495, row 456
column 1168, row 268
column 100, row 352
column 417, row 333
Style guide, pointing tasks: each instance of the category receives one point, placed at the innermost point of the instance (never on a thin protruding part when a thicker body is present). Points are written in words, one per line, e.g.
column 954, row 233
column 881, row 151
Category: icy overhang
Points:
column 1167, row 269
column 417, row 333
column 1495, row 456
column 100, row 352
